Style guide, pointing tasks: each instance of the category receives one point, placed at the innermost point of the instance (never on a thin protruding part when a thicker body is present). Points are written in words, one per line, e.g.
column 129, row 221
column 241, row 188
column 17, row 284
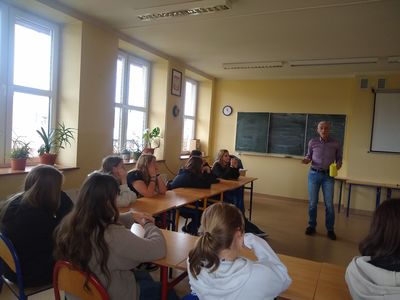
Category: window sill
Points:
column 8, row 171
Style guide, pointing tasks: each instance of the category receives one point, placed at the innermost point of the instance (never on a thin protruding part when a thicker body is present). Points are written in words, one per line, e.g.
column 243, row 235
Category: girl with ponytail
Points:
column 216, row 269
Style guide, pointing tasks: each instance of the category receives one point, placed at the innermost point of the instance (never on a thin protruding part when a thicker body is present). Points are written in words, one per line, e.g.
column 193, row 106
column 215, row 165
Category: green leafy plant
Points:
column 56, row 139
column 151, row 137
column 20, row 149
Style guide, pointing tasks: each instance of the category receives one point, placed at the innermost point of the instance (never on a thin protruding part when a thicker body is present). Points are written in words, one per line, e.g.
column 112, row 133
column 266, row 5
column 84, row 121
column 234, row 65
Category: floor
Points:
column 285, row 221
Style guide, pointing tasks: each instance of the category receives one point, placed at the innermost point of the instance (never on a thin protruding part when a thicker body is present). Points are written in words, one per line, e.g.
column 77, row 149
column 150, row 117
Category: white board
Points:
column 386, row 125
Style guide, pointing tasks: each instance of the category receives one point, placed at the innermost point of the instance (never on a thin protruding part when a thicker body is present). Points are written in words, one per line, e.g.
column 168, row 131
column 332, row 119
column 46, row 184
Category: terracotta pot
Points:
column 148, row 150
column 18, row 164
column 48, row 158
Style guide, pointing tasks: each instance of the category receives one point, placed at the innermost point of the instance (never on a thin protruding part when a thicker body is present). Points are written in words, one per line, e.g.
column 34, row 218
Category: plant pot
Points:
column 48, row 158
column 126, row 157
column 148, row 150
column 18, row 164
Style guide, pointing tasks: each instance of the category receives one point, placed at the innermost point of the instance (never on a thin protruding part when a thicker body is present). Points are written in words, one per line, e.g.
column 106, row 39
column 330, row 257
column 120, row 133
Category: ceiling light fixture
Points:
column 183, row 9
column 333, row 61
column 393, row 59
column 253, row 65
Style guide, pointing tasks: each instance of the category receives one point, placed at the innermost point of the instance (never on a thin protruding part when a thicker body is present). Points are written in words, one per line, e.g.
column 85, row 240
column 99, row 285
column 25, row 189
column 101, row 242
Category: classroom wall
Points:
column 287, row 177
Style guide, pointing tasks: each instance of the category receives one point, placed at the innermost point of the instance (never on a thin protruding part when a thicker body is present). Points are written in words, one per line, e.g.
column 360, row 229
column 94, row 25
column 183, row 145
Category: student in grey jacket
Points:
column 97, row 239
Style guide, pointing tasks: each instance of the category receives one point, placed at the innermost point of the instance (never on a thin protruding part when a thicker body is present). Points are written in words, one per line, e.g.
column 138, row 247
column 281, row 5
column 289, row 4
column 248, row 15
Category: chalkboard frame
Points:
column 294, row 138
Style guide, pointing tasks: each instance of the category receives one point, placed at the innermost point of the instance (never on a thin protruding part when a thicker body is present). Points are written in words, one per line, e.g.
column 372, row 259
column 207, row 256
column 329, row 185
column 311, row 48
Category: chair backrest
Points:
column 71, row 280
column 9, row 256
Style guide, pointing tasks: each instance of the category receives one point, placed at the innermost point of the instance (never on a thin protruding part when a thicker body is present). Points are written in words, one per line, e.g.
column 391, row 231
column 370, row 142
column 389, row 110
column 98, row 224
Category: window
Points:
column 28, row 77
column 131, row 101
column 189, row 115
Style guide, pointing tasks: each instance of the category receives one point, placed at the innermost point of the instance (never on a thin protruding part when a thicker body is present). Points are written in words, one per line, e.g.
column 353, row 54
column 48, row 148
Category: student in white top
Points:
column 376, row 273
column 114, row 165
column 216, row 269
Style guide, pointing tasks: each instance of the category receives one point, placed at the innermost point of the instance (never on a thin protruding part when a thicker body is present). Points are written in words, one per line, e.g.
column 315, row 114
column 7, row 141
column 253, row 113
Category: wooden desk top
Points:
column 373, row 183
column 331, row 283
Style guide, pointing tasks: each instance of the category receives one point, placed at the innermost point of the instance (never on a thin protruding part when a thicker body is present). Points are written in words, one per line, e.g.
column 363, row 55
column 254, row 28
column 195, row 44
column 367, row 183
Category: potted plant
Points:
column 137, row 149
column 126, row 155
column 151, row 139
column 54, row 140
column 20, row 152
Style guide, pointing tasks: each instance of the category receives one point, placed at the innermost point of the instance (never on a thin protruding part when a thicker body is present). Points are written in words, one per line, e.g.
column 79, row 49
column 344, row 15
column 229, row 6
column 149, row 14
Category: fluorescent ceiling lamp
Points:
column 253, row 65
column 393, row 59
column 183, row 9
column 333, row 61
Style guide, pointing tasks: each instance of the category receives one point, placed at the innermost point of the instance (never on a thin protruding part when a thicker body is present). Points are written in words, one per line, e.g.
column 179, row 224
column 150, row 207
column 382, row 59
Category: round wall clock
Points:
column 227, row 110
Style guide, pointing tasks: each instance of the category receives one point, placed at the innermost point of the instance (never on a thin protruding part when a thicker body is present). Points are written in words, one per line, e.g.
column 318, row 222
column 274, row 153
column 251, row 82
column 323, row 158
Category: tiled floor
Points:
column 285, row 222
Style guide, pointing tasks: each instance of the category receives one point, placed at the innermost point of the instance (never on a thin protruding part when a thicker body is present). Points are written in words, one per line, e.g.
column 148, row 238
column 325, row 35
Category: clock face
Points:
column 227, row 110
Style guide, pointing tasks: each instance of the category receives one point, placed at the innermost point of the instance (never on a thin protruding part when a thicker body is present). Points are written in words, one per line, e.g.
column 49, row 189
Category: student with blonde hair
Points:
column 114, row 165
column 216, row 269
column 145, row 179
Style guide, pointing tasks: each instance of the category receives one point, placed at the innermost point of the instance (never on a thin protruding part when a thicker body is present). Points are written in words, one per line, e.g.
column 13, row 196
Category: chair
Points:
column 71, row 280
column 9, row 257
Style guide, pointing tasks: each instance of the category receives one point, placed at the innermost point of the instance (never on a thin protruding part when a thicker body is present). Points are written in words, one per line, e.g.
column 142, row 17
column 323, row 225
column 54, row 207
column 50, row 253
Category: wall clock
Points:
column 227, row 110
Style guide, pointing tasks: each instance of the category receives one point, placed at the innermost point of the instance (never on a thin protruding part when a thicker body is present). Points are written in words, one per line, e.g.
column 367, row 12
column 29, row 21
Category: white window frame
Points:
column 125, row 106
column 10, row 17
column 188, row 117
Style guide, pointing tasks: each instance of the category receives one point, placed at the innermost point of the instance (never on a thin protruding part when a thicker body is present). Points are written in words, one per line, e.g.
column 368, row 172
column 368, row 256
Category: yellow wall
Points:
column 287, row 176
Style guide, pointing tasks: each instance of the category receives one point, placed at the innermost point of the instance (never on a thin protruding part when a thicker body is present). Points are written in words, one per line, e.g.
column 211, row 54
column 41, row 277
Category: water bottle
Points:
column 332, row 170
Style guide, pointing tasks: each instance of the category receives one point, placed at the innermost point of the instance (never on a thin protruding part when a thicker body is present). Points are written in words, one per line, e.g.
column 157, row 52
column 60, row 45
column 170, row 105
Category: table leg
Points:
column 251, row 199
column 340, row 196
column 164, row 282
column 348, row 200
column 378, row 196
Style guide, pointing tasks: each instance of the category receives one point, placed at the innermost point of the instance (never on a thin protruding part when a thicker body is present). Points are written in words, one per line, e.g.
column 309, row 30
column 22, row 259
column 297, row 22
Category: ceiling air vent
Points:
column 253, row 65
column 183, row 9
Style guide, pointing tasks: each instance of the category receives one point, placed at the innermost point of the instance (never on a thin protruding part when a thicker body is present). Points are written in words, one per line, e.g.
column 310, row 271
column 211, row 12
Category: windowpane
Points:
column 135, row 127
column 188, row 130
column 190, row 99
column 117, row 129
column 119, row 79
column 32, row 57
column 137, row 85
column 30, row 112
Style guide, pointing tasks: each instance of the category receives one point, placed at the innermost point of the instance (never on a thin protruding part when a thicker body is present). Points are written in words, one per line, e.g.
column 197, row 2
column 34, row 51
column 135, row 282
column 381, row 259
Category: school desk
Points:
column 331, row 283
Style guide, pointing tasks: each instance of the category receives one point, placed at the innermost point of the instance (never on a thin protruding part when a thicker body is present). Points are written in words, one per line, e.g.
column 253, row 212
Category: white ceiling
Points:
column 263, row 30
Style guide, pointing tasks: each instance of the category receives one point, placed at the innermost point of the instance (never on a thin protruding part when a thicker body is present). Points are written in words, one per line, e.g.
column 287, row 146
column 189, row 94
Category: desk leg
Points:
column 378, row 196
column 388, row 194
column 164, row 282
column 251, row 199
column 348, row 200
column 340, row 196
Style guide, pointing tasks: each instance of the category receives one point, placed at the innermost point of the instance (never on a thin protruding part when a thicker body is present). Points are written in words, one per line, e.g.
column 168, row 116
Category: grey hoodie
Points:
column 366, row 281
column 263, row 279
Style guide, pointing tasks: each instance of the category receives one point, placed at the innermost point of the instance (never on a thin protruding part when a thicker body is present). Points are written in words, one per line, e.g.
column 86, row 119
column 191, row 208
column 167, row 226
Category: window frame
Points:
column 10, row 16
column 188, row 117
column 129, row 59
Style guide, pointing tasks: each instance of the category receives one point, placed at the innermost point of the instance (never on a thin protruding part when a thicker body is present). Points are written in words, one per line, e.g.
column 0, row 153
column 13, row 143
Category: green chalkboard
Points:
column 282, row 133
column 251, row 132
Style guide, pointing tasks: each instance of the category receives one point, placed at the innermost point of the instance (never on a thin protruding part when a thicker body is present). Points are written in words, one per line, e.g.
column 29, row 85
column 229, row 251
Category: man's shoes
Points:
column 332, row 235
column 310, row 230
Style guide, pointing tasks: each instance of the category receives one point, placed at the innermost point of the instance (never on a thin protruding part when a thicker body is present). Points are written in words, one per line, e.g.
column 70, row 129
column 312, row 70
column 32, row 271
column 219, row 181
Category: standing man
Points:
column 322, row 151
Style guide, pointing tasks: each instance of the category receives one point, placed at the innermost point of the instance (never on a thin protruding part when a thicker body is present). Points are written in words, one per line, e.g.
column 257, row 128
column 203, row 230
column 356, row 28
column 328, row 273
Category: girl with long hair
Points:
column 114, row 165
column 29, row 222
column 145, row 179
column 216, row 269
column 375, row 274
column 97, row 239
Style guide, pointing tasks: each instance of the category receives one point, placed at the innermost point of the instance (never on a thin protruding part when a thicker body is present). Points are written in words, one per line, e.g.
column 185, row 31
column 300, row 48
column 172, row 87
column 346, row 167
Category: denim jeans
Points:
column 150, row 289
column 315, row 181
column 235, row 197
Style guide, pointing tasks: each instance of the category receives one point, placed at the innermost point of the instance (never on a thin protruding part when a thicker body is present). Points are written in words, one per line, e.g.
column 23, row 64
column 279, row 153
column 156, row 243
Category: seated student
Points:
column 145, row 180
column 97, row 239
column 114, row 165
column 195, row 173
column 375, row 274
column 226, row 167
column 216, row 269
column 30, row 220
